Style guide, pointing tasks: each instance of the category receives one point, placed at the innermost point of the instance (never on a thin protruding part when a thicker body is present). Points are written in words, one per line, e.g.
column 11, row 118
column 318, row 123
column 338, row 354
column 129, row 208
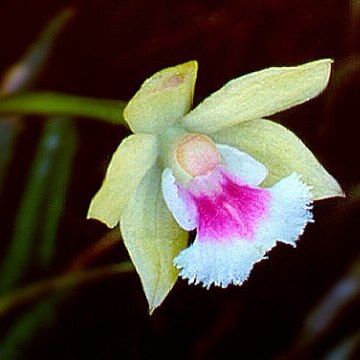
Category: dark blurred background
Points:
column 300, row 304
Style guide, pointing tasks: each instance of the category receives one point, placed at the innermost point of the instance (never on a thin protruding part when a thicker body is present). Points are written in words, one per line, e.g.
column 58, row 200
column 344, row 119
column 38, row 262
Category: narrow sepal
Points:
column 153, row 238
column 259, row 94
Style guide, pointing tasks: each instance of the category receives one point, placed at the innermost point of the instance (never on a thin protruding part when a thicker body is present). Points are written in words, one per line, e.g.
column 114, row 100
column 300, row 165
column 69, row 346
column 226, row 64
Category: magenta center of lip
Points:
column 234, row 211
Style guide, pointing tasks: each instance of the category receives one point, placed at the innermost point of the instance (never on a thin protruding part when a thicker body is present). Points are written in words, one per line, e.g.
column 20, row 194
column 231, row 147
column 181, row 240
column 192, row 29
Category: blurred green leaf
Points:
column 42, row 201
column 352, row 37
column 50, row 103
column 335, row 301
column 8, row 132
column 326, row 317
column 53, row 166
column 21, row 76
column 345, row 350
column 63, row 138
column 24, row 73
column 61, row 282
column 41, row 315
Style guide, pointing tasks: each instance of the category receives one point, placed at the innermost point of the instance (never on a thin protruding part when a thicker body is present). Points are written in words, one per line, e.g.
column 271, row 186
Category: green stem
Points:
column 51, row 103
column 60, row 282
column 109, row 240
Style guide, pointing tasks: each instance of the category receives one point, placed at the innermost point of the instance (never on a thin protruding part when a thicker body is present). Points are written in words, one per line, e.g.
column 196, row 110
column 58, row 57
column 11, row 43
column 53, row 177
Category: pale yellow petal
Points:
column 162, row 99
column 282, row 152
column 153, row 238
column 258, row 95
column 130, row 162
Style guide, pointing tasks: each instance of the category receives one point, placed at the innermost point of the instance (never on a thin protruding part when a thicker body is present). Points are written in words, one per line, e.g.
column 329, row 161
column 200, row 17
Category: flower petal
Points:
column 229, row 213
column 162, row 99
column 282, row 152
column 152, row 238
column 259, row 94
column 130, row 162
column 227, row 207
column 289, row 213
column 212, row 263
column 178, row 203
column 242, row 165
column 224, row 253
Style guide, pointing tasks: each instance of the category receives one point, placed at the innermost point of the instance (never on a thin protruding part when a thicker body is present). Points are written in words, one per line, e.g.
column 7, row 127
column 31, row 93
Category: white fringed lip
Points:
column 224, row 253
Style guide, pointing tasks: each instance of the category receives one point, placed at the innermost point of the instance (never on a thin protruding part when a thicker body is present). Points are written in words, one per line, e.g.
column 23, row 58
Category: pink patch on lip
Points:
column 233, row 211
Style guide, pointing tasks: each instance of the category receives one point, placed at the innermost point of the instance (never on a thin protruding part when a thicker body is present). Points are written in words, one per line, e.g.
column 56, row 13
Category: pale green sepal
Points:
column 258, row 95
column 132, row 159
column 282, row 152
column 153, row 238
column 162, row 99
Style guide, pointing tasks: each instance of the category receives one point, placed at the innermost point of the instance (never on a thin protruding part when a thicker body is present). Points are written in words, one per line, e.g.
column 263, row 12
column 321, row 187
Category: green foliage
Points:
column 43, row 103
column 8, row 132
column 42, row 203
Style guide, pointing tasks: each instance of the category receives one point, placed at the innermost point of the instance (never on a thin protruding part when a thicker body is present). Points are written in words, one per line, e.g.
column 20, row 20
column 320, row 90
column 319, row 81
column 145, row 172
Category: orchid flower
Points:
column 242, row 182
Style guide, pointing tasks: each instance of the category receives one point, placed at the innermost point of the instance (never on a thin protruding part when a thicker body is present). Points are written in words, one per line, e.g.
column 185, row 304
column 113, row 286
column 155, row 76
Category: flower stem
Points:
column 109, row 240
column 63, row 281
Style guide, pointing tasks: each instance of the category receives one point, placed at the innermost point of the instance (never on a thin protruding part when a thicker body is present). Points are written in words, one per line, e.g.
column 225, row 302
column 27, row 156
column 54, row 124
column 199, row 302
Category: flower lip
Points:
column 237, row 222
column 227, row 208
column 197, row 154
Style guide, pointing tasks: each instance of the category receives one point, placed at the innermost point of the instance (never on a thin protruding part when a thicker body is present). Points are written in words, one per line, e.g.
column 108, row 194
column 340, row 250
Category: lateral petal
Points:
column 282, row 152
column 177, row 202
column 242, row 165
